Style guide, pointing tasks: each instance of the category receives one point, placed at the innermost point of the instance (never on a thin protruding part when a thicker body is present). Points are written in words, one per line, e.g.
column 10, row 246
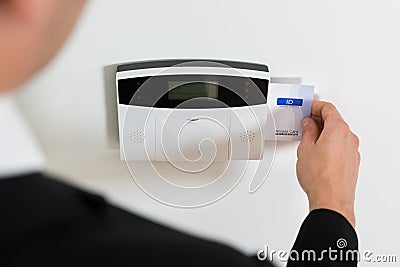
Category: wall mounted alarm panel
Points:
column 203, row 110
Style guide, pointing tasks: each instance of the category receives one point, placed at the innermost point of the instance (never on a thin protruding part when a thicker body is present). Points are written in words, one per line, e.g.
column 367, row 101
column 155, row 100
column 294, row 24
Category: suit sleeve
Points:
column 326, row 239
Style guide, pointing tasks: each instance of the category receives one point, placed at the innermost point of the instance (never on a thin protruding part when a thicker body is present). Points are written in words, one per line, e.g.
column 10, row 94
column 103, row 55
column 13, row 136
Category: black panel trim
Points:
column 199, row 62
column 152, row 91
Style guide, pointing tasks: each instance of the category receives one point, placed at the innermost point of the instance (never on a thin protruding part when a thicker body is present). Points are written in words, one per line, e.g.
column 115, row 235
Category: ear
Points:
column 29, row 11
column 20, row 27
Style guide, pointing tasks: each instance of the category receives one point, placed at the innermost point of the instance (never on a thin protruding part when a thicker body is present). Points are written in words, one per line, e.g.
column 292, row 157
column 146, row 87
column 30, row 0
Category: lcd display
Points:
column 185, row 91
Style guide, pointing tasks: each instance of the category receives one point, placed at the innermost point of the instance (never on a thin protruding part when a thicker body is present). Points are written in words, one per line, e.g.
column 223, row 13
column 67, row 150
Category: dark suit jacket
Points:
column 47, row 223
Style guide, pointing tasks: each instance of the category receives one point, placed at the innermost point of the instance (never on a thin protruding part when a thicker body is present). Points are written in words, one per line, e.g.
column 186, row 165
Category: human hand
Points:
column 328, row 161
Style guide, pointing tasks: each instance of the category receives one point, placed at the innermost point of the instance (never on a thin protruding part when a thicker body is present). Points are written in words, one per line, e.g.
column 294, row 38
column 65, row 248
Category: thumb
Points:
column 310, row 130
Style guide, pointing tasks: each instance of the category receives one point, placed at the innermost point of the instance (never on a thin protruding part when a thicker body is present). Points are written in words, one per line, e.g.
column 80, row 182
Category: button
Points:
column 289, row 102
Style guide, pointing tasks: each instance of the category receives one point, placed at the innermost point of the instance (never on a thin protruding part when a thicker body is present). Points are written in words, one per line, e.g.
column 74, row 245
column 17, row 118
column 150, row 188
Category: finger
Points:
column 325, row 110
column 310, row 131
column 319, row 122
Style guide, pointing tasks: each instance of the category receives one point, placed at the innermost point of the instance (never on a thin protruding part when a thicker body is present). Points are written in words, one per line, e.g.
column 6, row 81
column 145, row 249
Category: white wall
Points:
column 349, row 49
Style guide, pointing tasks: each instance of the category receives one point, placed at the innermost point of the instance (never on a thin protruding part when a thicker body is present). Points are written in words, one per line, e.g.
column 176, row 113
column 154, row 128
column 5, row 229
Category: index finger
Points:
column 325, row 110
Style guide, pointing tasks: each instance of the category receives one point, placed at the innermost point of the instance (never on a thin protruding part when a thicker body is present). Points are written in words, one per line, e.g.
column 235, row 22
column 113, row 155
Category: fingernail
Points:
column 305, row 121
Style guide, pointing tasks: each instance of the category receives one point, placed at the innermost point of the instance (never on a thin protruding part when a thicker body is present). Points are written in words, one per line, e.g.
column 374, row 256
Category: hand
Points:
column 328, row 161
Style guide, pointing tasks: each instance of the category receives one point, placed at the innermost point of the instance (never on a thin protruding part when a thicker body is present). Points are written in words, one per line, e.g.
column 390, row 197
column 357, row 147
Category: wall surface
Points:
column 348, row 49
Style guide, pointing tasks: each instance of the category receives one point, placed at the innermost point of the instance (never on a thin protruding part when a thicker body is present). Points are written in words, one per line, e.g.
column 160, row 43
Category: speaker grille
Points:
column 247, row 136
column 137, row 136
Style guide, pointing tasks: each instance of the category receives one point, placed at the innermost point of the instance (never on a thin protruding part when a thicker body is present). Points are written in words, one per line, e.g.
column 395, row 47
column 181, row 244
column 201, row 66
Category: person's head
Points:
column 31, row 32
